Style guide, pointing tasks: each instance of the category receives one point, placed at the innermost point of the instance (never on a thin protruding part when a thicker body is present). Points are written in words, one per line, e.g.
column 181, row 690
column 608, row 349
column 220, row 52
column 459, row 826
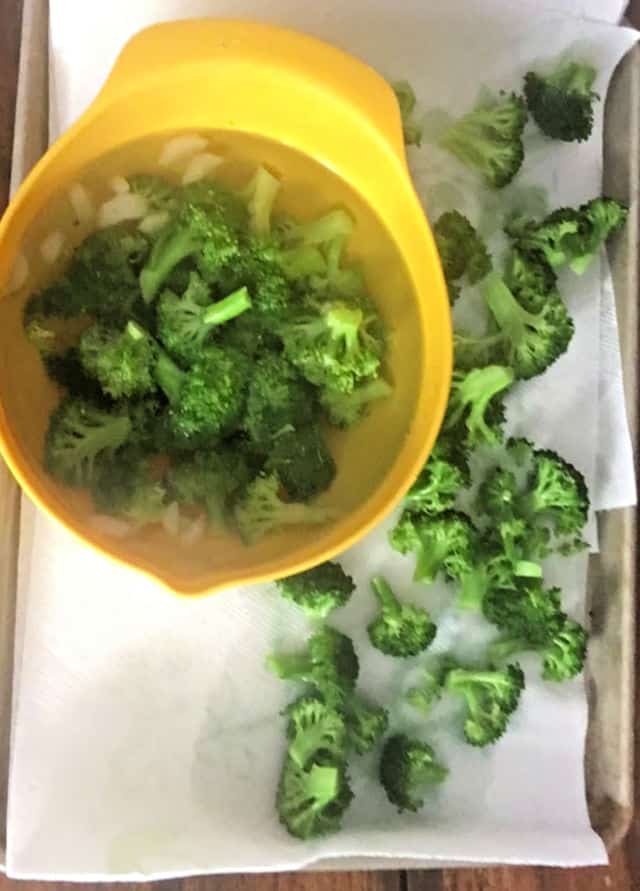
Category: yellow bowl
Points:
column 331, row 127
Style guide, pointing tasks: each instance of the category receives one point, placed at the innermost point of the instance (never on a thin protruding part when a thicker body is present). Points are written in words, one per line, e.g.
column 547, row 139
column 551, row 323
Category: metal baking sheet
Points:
column 611, row 581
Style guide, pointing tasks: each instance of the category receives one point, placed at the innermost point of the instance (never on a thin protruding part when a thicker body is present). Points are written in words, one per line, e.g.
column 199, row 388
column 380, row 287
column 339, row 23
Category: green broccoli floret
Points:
column 474, row 414
column 490, row 696
column 329, row 664
column 425, row 694
column 366, row 724
column 311, row 803
column 556, row 494
column 122, row 361
column 412, row 131
column 184, row 325
column 489, row 139
column 260, row 195
column 123, row 485
column 345, row 410
column 79, row 433
column 561, row 103
column 441, row 480
column 563, row 652
column 318, row 591
column 527, row 611
column 489, row 569
column 321, row 231
column 258, row 268
column 315, row 730
column 530, row 279
column 201, row 227
column 208, row 400
column 336, row 280
column 278, row 400
column 406, row 766
column 208, row 479
column 569, row 237
column 66, row 370
column 441, row 543
column 497, row 494
column 399, row 629
column 462, row 252
column 262, row 510
column 302, row 462
column 159, row 192
column 335, row 345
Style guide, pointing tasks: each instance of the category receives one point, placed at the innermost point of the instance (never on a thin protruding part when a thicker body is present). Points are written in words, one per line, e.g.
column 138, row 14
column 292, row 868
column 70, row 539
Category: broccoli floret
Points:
column 528, row 610
column 122, row 361
column 425, row 694
column 440, row 481
column 315, row 730
column 208, row 400
column 530, row 279
column 474, row 415
column 561, row 103
column 184, row 326
column 303, row 463
column 489, row 139
column 441, row 543
column 329, row 665
column 278, row 400
column 345, row 410
column 563, row 652
column 406, row 766
column 462, row 252
column 159, row 192
column 569, row 237
column 301, row 263
column 412, row 131
column 498, row 494
column 322, row 231
column 202, row 227
column 41, row 334
column 490, row 696
column 208, row 479
column 66, row 370
column 335, row 345
column 262, row 511
column 122, row 485
column 335, row 280
column 260, row 195
column 258, row 268
column 556, row 494
column 320, row 590
column 366, row 724
column 399, row 629
column 79, row 433
column 311, row 803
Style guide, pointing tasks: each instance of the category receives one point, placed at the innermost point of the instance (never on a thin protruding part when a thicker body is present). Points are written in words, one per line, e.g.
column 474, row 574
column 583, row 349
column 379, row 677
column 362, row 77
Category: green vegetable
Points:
column 278, row 400
column 561, row 103
column 407, row 766
column 302, row 462
column 366, row 724
column 315, row 730
column 318, row 591
column 441, row 479
column 475, row 415
column 490, row 697
column 347, row 409
column 311, row 802
column 441, row 543
column 262, row 510
column 563, row 652
column 412, row 131
column 400, row 629
column 122, row 361
column 122, row 485
column 462, row 252
column 208, row 479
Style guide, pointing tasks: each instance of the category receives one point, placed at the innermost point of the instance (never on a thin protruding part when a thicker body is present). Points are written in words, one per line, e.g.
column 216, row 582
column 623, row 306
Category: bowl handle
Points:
column 154, row 49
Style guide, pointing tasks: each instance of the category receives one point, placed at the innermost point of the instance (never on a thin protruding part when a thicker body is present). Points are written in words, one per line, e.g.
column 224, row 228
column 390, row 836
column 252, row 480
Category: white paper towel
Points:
column 146, row 739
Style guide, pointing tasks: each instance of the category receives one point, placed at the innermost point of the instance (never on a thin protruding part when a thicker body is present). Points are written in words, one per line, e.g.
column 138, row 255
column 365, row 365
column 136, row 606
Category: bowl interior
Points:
column 371, row 458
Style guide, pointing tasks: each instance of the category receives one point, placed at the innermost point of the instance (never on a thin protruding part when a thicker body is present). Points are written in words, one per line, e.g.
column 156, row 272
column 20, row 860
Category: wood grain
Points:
column 623, row 873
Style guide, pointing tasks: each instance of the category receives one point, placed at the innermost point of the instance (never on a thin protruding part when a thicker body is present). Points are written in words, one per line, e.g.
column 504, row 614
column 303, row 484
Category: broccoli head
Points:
column 208, row 479
column 278, row 400
column 79, row 433
column 406, row 766
column 530, row 279
column 425, row 694
column 490, row 697
column 441, row 543
column 556, row 494
column 474, row 413
column 348, row 409
column 561, row 103
column 315, row 730
column 441, row 479
column 563, row 652
column 527, row 611
column 329, row 665
column 366, row 724
column 122, row 485
column 489, row 139
column 462, row 252
column 318, row 591
column 399, row 629
column 122, row 361
column 261, row 510
column 312, row 802
column 302, row 461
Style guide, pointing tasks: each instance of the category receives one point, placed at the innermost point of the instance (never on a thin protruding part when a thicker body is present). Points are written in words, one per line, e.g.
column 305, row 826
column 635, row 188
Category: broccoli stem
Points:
column 574, row 77
column 527, row 569
column 290, row 666
column 169, row 377
column 322, row 785
column 385, row 596
column 165, row 256
column 508, row 313
column 135, row 331
column 229, row 308
column 344, row 324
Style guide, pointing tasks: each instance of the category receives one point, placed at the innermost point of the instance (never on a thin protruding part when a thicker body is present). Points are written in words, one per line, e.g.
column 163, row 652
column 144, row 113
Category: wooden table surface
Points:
column 623, row 873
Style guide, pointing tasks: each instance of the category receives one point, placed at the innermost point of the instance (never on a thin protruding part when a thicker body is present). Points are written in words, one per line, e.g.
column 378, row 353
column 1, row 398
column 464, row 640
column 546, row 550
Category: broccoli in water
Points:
column 208, row 479
column 400, row 629
column 462, row 252
column 303, row 463
column 318, row 591
column 184, row 325
column 315, row 729
column 490, row 696
column 79, row 433
column 260, row 194
column 441, row 543
column 411, row 130
column 441, row 480
column 561, row 103
column 347, row 409
column 329, row 665
column 475, row 415
column 311, row 802
column 66, row 370
column 406, row 766
column 261, row 510
column 122, row 361
column 278, row 400
column 122, row 485
column 489, row 139
column 569, row 237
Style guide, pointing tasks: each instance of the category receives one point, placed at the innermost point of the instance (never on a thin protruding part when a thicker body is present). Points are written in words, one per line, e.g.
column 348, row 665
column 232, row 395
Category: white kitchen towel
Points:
column 146, row 737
